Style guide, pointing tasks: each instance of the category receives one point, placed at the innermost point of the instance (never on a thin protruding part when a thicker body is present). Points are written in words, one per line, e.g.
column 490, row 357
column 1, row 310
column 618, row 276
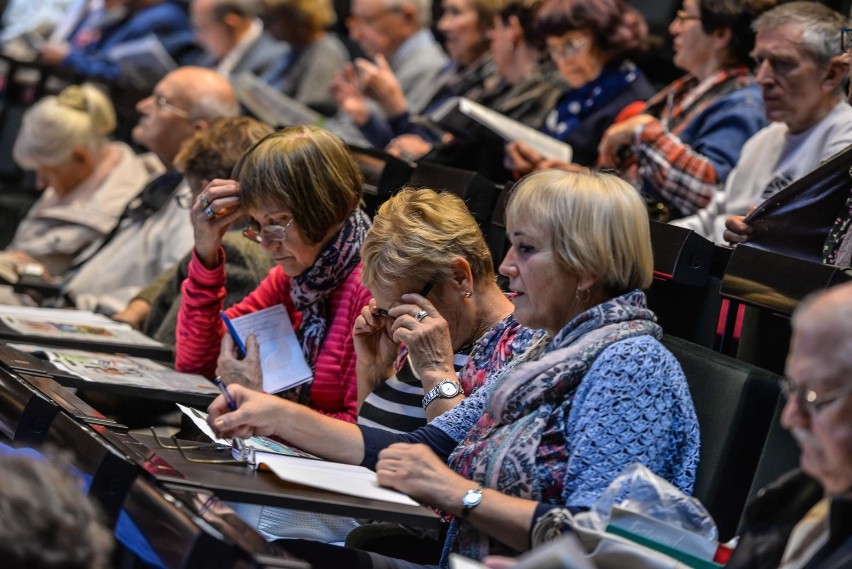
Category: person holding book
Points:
column 208, row 155
column 682, row 147
column 560, row 423
column 591, row 43
column 302, row 190
column 87, row 180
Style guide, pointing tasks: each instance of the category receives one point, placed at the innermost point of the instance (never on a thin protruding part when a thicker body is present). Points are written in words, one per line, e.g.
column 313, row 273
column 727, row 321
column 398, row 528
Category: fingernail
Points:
column 219, row 423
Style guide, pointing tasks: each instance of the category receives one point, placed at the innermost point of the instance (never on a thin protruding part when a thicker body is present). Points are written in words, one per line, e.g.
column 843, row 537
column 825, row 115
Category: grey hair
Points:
column 828, row 314
column 80, row 116
column 247, row 9
column 46, row 520
column 821, row 26
column 423, row 8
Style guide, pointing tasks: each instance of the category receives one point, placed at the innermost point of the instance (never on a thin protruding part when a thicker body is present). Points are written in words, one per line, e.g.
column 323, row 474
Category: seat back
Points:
column 734, row 403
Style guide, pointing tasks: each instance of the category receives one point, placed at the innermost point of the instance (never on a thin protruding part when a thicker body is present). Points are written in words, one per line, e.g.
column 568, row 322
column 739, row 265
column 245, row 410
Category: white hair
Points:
column 80, row 116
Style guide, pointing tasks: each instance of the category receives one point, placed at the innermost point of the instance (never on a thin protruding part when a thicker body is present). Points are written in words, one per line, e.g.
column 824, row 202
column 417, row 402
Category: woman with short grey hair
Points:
column 87, row 178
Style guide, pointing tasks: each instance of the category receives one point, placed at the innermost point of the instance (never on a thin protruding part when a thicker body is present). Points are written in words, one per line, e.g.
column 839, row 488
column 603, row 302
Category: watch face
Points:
column 471, row 499
column 449, row 389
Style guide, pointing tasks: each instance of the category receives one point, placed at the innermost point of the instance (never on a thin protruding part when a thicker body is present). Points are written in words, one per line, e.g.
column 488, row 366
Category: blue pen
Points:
column 232, row 405
column 241, row 347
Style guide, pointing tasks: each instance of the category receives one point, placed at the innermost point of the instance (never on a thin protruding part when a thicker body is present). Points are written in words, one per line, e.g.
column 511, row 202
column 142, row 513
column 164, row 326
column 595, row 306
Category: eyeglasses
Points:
column 427, row 288
column 684, row 16
column 164, row 105
column 184, row 201
column 846, row 39
column 808, row 399
column 569, row 48
column 270, row 234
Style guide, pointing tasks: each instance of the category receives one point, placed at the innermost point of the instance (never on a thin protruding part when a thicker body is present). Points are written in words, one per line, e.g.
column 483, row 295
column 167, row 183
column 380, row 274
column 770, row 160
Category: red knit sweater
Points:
column 199, row 330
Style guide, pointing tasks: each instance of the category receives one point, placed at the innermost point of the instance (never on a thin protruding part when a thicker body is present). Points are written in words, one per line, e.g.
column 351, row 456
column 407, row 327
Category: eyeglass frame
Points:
column 563, row 51
column 184, row 201
column 845, row 40
column 163, row 104
column 257, row 236
column 808, row 399
column 682, row 16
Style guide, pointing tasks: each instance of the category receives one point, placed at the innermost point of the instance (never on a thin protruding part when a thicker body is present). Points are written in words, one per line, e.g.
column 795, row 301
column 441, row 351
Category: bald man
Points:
column 154, row 232
column 805, row 519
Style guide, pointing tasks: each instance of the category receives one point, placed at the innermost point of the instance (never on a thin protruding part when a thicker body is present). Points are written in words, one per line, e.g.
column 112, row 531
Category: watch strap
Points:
column 436, row 393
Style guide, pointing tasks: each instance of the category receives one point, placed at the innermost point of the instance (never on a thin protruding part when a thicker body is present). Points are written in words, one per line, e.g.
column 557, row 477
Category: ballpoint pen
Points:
column 233, row 332
column 232, row 405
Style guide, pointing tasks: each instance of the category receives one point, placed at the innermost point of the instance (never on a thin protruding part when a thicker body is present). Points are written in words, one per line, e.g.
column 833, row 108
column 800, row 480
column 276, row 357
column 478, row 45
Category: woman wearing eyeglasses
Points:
column 302, row 189
column 682, row 147
column 591, row 43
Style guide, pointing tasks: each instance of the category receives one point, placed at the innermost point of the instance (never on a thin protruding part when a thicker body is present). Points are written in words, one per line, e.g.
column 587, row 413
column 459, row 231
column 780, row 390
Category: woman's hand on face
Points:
column 427, row 337
column 246, row 371
column 416, row 470
column 617, row 137
column 375, row 350
column 521, row 158
column 256, row 414
column 380, row 84
column 217, row 207
column 346, row 90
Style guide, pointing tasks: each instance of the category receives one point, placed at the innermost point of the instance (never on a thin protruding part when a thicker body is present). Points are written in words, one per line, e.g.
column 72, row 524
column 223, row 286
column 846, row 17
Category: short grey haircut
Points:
column 821, row 26
column 247, row 9
column 828, row 314
column 80, row 116
column 423, row 8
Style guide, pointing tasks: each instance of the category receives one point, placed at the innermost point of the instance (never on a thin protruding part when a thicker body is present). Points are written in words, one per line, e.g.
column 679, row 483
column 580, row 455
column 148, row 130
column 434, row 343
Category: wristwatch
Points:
column 471, row 499
column 446, row 389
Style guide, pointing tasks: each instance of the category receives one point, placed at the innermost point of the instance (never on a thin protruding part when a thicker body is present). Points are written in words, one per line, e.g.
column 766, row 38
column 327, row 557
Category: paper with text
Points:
column 281, row 358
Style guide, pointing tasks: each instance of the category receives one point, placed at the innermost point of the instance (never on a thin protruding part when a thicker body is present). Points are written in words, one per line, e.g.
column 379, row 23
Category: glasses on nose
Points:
column 846, row 39
column 164, row 105
column 270, row 234
column 569, row 48
column 684, row 16
column 809, row 400
column 427, row 288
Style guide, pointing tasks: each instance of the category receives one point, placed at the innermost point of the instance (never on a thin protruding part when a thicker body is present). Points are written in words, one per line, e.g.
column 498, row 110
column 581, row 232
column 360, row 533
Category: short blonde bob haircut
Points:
column 597, row 223
column 416, row 234
column 79, row 117
column 305, row 170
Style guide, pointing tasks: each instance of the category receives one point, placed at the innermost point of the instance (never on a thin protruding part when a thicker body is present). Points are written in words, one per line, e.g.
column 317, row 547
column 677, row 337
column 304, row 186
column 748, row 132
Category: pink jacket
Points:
column 200, row 328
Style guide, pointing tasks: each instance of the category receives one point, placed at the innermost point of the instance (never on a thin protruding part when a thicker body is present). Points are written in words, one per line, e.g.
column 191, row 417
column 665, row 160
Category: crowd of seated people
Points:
column 423, row 368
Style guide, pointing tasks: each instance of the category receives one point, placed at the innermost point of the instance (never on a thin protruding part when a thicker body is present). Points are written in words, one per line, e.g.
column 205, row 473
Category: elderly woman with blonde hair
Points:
column 560, row 423
column 87, row 179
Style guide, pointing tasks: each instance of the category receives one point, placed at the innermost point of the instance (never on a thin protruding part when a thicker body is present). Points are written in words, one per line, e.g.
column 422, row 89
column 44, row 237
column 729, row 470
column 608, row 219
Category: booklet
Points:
column 458, row 116
column 143, row 62
column 121, row 370
column 270, row 105
column 74, row 325
column 281, row 358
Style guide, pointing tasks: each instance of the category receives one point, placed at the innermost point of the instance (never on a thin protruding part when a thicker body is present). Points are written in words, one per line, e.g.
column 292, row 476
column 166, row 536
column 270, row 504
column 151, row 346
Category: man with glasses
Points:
column 805, row 519
column 801, row 76
column 154, row 232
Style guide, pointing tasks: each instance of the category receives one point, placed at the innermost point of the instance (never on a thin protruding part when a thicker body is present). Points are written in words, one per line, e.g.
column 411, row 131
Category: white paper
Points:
column 508, row 129
column 281, row 357
column 270, row 105
column 70, row 325
column 342, row 478
column 122, row 370
column 258, row 443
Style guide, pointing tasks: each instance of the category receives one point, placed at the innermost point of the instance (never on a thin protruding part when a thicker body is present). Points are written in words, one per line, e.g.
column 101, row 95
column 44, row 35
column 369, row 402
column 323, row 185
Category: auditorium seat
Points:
column 734, row 402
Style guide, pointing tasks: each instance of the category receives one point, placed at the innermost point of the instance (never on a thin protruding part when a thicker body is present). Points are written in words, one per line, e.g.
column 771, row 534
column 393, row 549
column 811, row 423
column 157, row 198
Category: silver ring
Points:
column 204, row 201
column 421, row 315
column 209, row 212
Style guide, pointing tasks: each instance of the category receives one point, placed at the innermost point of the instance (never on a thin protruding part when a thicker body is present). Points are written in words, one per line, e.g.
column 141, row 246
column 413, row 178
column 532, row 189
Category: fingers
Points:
column 219, row 199
column 737, row 230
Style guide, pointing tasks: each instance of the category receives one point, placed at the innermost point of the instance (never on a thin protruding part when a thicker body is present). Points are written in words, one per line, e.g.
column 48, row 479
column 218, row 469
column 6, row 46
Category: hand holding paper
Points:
column 244, row 371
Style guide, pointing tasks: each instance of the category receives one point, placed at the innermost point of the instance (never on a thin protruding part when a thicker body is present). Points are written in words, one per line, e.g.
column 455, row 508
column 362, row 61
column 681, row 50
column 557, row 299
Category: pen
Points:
column 241, row 347
column 232, row 405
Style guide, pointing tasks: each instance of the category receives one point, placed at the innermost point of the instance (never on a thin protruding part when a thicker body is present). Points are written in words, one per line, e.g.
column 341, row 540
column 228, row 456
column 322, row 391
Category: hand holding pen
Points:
column 232, row 405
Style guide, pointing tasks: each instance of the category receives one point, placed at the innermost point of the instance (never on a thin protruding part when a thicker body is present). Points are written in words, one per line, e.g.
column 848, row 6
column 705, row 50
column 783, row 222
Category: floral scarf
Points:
column 522, row 430
column 310, row 290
